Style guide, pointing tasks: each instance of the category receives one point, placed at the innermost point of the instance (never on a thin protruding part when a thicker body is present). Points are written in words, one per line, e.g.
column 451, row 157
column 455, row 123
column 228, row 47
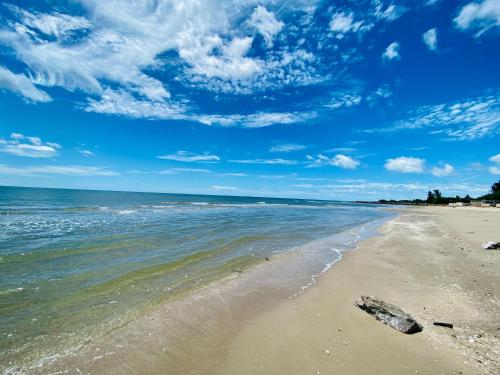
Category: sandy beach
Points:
column 426, row 260
column 429, row 262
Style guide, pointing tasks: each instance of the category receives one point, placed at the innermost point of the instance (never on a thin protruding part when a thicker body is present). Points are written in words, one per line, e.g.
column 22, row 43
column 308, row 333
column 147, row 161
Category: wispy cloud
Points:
column 479, row 16
column 345, row 22
column 185, row 156
column 22, row 85
column 66, row 170
column 109, row 56
column 256, row 120
column 86, row 153
column 235, row 174
column 287, row 147
column 32, row 147
column 266, row 24
column 465, row 119
column 345, row 150
column 184, row 170
column 266, row 161
column 342, row 23
column 224, row 187
column 57, row 24
column 276, row 176
column 120, row 102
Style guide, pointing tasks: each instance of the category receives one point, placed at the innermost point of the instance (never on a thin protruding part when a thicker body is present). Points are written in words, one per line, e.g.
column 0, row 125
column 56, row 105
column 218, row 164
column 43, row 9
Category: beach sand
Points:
column 428, row 261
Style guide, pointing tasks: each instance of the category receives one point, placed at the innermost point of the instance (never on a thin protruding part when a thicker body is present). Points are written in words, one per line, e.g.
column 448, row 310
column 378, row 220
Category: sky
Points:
column 347, row 100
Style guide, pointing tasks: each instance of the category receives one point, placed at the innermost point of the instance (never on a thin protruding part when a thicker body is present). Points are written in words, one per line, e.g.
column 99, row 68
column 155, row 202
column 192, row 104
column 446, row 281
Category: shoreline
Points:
column 172, row 326
column 271, row 333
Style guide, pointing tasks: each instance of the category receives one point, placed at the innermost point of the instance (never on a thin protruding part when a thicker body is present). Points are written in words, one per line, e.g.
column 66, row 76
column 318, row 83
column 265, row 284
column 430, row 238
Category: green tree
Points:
column 430, row 197
column 495, row 188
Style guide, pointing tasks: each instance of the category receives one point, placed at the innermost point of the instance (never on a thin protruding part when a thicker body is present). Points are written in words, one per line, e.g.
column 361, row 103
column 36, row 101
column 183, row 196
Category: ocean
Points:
column 75, row 264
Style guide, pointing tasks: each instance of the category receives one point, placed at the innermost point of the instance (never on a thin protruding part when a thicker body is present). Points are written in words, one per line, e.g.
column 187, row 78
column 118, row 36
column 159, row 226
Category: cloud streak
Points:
column 22, row 85
column 31, row 147
column 65, row 170
column 189, row 157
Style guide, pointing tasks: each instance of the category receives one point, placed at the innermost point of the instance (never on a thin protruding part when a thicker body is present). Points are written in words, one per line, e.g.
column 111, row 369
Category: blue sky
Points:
column 313, row 99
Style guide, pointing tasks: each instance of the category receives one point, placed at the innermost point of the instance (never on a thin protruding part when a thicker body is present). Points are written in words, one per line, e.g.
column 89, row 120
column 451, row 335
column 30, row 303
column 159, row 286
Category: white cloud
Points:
column 185, row 156
column 287, row 147
column 266, row 161
column 342, row 23
column 345, row 100
column 405, row 164
column 230, row 64
column 431, row 2
column 67, row 170
column 479, row 16
column 342, row 161
column 123, row 46
column 391, row 13
column 56, row 24
column 266, row 24
column 16, row 136
column 184, row 170
column 22, row 85
column 256, row 120
column 495, row 159
column 430, row 39
column 125, row 104
column 86, row 153
column 494, row 170
column 465, row 119
column 222, row 187
column 392, row 52
column 235, row 174
column 32, row 147
column 444, row 171
column 345, row 150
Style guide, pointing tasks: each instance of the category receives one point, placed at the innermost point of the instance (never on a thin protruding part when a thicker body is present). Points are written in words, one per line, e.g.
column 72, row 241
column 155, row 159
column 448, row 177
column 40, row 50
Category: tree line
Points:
column 436, row 197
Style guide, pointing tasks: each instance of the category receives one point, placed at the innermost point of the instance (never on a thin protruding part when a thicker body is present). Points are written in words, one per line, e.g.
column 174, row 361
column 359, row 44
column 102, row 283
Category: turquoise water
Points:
column 75, row 263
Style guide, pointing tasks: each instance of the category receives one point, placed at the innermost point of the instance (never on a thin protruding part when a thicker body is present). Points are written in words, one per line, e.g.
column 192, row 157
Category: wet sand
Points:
column 429, row 262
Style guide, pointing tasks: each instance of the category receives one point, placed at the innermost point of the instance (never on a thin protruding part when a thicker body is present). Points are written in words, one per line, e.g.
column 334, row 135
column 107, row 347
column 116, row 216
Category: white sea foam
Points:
column 127, row 212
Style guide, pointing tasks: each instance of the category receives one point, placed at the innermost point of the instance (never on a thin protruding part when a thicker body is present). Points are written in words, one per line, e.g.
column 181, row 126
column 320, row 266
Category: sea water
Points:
column 77, row 263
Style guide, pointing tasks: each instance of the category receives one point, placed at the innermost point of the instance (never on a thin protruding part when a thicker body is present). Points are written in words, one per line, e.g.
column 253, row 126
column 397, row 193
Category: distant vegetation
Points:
column 436, row 197
column 494, row 193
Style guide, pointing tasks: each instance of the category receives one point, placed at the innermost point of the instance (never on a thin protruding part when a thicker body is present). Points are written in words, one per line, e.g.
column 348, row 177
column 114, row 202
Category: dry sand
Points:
column 428, row 261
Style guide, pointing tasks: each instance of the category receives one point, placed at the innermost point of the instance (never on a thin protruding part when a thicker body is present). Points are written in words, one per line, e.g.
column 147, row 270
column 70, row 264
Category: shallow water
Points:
column 75, row 264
